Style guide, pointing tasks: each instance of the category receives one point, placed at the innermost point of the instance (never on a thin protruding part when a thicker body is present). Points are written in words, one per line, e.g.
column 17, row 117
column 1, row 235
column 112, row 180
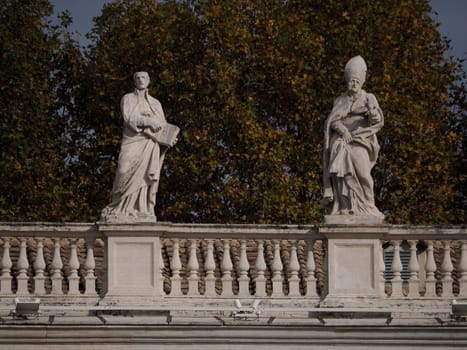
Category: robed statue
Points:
column 146, row 138
column 351, row 147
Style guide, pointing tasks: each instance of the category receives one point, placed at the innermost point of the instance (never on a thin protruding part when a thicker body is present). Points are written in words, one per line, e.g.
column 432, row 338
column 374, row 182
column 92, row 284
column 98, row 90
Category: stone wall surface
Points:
column 239, row 337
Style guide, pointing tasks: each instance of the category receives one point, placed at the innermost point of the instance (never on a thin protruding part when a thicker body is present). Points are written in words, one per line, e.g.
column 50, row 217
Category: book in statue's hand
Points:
column 166, row 136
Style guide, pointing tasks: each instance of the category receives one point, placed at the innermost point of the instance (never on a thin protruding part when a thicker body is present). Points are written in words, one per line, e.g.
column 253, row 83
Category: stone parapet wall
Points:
column 191, row 286
column 189, row 261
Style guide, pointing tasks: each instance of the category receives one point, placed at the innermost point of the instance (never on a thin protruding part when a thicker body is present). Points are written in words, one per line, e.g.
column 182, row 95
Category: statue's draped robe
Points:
column 140, row 159
column 347, row 166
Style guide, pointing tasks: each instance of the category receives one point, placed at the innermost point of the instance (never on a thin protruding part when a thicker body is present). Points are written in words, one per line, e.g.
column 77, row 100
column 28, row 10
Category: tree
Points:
column 213, row 77
column 33, row 140
column 250, row 83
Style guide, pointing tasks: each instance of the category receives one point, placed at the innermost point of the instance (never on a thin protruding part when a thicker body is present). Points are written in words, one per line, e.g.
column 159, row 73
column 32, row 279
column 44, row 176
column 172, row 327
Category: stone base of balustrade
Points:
column 128, row 301
column 202, row 302
column 384, row 302
column 339, row 301
column 53, row 300
column 421, row 302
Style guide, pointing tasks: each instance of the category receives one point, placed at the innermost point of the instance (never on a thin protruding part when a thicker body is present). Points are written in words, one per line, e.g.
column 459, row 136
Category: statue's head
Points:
column 355, row 73
column 141, row 80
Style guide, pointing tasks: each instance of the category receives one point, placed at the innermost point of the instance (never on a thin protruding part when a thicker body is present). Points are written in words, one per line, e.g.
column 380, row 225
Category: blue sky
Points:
column 452, row 14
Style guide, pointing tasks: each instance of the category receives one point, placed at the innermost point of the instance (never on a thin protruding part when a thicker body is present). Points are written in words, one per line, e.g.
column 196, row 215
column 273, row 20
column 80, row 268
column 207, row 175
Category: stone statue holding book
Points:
column 146, row 138
column 351, row 150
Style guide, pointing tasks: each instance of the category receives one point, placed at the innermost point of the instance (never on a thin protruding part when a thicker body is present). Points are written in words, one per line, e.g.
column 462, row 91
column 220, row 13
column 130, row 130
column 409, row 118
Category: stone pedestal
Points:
column 355, row 265
column 133, row 262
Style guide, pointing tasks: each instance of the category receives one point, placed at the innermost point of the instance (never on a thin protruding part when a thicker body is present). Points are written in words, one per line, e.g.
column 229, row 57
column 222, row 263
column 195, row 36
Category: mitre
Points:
column 356, row 68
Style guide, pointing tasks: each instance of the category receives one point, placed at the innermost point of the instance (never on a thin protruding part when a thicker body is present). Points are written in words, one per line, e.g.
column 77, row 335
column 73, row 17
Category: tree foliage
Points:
column 34, row 177
column 250, row 84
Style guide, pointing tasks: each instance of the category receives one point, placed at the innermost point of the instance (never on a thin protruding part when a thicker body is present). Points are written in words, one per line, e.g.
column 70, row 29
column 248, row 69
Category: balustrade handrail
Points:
column 426, row 232
column 49, row 230
column 232, row 231
column 217, row 231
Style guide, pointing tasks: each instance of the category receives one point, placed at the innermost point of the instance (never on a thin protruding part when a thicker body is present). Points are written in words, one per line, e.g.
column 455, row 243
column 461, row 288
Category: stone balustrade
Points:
column 241, row 268
column 217, row 261
column 435, row 262
column 327, row 265
column 51, row 261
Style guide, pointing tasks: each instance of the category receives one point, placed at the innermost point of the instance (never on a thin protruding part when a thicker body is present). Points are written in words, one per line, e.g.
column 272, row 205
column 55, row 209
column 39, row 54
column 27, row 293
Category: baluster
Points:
column 226, row 268
column 90, row 265
column 56, row 269
column 462, row 267
column 39, row 268
column 430, row 268
column 311, row 267
column 396, row 268
column 382, row 269
column 294, row 267
column 414, row 268
column 276, row 268
column 244, row 266
column 193, row 267
column 176, row 266
column 446, row 270
column 22, row 265
column 210, row 266
column 161, row 269
column 5, row 279
column 73, row 278
column 260, row 266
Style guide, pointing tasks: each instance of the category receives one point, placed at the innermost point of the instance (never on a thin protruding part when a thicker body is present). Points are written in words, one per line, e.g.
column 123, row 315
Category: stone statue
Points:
column 351, row 147
column 146, row 138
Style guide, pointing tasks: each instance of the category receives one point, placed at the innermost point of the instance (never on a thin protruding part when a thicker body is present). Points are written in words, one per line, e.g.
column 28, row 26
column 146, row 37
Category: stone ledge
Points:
column 212, row 336
column 353, row 220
